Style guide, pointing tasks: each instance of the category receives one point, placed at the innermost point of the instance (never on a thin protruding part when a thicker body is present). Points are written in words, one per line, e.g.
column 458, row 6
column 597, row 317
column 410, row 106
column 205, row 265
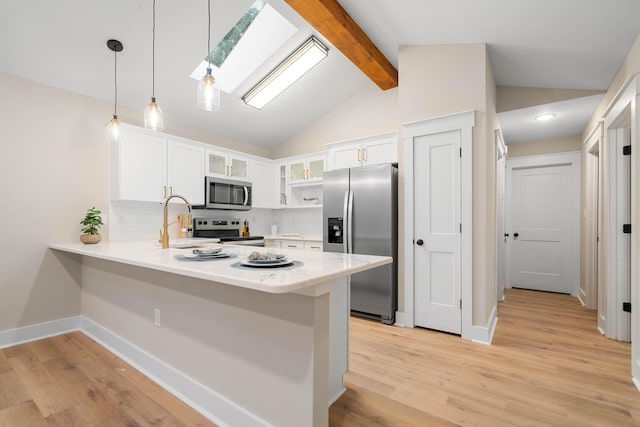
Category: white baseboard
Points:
column 203, row 399
column 483, row 334
column 39, row 331
column 208, row 402
column 636, row 382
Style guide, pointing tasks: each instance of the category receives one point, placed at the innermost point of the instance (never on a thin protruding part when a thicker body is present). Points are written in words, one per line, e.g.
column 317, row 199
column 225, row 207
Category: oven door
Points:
column 227, row 194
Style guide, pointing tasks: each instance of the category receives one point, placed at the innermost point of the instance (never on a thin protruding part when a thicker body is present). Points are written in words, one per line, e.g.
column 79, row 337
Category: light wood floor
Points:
column 547, row 366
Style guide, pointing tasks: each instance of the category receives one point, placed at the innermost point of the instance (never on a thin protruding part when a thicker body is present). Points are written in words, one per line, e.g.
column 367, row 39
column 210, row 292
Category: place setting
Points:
column 260, row 260
column 205, row 254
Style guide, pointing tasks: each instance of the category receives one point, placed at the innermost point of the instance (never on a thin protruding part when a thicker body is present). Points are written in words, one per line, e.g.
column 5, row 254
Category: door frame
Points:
column 622, row 113
column 571, row 159
column 590, row 268
column 627, row 101
column 463, row 122
column 501, row 188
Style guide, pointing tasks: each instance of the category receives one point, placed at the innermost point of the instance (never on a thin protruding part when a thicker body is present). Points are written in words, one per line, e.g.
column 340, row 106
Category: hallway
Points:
column 548, row 365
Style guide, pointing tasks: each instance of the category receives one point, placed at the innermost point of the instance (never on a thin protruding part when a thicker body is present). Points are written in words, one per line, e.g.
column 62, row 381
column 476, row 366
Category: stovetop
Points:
column 227, row 230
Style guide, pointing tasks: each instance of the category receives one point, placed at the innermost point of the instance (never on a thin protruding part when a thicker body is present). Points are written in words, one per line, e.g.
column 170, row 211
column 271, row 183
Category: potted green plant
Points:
column 90, row 226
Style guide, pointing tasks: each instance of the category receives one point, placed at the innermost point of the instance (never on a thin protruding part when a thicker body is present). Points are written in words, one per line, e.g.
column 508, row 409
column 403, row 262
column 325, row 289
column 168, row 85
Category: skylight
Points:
column 255, row 37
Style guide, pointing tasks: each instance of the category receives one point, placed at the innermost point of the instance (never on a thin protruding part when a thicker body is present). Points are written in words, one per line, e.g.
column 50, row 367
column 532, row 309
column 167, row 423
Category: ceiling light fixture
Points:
column 284, row 75
column 208, row 91
column 545, row 117
column 153, row 118
column 114, row 124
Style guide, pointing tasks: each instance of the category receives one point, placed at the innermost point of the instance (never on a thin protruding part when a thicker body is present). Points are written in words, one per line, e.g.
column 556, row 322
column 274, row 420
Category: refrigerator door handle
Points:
column 345, row 219
column 350, row 223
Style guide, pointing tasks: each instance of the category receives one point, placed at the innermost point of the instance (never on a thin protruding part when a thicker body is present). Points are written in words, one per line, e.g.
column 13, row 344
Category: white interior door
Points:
column 539, row 245
column 437, row 262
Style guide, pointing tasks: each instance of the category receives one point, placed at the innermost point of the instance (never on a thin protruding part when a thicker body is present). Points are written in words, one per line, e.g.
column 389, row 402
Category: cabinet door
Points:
column 282, row 186
column 216, row 163
column 238, row 167
column 292, row 244
column 383, row 151
column 315, row 169
column 185, row 174
column 263, row 189
column 297, row 171
column 311, row 245
column 272, row 243
column 138, row 168
column 345, row 157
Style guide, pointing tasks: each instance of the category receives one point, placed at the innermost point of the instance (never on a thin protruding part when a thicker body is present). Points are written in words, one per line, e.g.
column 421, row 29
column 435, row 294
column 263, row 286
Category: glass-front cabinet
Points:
column 227, row 165
column 299, row 181
column 307, row 169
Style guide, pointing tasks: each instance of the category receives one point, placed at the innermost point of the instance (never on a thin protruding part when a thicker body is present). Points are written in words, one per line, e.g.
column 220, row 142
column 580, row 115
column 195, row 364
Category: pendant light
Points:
column 208, row 92
column 153, row 118
column 114, row 124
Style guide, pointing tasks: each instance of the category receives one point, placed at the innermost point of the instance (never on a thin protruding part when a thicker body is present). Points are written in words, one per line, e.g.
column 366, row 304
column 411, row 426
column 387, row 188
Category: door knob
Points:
column 419, row 242
column 515, row 235
column 506, row 234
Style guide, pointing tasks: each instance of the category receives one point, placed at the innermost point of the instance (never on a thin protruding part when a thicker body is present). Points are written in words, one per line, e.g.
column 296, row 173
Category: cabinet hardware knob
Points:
column 419, row 242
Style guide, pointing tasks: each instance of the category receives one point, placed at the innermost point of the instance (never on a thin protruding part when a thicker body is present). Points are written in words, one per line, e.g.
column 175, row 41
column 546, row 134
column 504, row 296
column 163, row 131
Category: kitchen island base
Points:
column 243, row 357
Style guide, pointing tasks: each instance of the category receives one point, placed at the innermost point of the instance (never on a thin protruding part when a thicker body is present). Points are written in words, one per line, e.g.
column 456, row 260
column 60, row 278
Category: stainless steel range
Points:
column 227, row 230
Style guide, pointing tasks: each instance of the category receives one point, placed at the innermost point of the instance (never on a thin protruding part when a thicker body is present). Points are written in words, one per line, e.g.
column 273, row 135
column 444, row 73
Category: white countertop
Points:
column 318, row 268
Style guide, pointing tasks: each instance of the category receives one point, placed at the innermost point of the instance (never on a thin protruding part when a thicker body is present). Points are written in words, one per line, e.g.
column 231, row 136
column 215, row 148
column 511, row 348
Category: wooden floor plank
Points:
column 22, row 414
column 548, row 366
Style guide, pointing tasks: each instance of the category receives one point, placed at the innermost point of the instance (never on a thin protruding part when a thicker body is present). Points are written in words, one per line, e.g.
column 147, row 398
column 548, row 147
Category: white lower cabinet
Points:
column 300, row 244
column 310, row 245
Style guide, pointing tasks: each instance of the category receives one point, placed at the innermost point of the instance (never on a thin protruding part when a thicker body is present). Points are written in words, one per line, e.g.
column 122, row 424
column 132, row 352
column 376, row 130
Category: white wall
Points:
column 546, row 146
column 371, row 112
column 53, row 167
column 439, row 80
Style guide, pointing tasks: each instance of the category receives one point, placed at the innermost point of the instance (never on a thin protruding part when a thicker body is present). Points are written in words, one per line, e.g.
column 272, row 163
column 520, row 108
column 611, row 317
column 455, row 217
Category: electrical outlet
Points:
column 157, row 320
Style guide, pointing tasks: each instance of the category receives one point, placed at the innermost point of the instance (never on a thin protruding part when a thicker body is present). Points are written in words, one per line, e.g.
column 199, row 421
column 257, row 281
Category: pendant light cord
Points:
column 209, row 33
column 153, row 53
column 115, row 82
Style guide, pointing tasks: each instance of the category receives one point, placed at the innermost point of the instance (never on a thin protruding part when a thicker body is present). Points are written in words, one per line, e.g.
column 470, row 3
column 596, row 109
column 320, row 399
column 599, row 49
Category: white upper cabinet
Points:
column 298, row 181
column 263, row 190
column 225, row 164
column 138, row 167
column 185, row 174
column 366, row 151
column 148, row 166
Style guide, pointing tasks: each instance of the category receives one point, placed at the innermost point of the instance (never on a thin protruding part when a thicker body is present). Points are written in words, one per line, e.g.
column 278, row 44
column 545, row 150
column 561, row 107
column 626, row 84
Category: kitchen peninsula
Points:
column 245, row 346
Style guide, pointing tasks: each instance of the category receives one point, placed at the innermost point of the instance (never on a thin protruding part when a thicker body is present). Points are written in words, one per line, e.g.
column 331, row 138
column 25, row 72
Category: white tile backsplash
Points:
column 143, row 220
column 307, row 221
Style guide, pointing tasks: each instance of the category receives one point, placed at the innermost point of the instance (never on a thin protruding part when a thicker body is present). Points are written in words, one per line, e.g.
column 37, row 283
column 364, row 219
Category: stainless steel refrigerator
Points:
column 360, row 216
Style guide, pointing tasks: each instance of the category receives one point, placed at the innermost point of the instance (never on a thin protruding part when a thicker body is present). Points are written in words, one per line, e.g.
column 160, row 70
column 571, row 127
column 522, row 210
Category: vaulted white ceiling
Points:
column 547, row 43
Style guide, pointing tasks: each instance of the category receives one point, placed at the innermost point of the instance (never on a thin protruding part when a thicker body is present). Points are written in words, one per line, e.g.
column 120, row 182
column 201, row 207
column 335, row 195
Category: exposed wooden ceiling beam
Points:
column 335, row 24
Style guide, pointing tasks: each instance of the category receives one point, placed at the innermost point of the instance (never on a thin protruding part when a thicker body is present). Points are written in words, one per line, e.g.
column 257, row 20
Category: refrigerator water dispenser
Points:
column 334, row 231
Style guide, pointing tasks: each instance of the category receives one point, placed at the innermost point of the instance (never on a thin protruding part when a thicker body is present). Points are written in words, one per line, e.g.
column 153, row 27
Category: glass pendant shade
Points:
column 208, row 93
column 114, row 129
column 153, row 118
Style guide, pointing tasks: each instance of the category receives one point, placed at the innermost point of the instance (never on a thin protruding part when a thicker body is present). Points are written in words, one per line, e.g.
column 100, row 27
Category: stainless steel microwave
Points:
column 226, row 194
